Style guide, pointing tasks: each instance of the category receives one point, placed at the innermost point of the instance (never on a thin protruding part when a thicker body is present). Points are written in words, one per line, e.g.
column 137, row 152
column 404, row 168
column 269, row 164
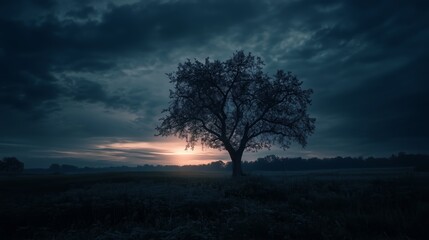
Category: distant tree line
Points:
column 11, row 165
column 274, row 163
column 419, row 162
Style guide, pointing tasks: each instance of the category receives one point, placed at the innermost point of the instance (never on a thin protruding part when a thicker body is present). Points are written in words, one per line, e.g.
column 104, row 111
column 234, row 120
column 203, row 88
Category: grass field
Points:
column 340, row 204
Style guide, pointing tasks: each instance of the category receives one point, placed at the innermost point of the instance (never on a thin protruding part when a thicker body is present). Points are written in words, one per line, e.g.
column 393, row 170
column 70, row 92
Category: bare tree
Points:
column 235, row 106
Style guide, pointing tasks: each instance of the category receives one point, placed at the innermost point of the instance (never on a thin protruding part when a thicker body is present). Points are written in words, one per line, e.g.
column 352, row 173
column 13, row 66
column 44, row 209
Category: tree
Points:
column 11, row 165
column 235, row 106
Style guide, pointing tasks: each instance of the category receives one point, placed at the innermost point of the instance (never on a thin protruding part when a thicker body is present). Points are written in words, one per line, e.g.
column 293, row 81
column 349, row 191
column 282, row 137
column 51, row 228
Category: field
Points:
column 340, row 204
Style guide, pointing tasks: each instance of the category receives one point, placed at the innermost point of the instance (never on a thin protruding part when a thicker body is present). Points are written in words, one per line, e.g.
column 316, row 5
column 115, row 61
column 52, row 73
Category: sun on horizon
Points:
column 172, row 151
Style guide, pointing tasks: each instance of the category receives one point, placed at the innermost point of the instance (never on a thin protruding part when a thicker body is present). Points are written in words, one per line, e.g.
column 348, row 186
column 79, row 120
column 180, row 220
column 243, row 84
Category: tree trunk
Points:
column 236, row 164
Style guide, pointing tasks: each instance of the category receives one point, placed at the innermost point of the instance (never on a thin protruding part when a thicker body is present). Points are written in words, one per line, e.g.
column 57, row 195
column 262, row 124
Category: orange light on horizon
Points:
column 171, row 150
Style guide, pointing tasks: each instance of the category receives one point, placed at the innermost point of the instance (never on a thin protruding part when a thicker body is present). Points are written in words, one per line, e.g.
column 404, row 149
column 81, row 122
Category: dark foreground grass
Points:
column 180, row 205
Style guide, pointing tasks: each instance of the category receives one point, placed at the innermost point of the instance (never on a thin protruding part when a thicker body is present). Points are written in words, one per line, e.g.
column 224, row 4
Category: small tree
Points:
column 235, row 106
column 11, row 165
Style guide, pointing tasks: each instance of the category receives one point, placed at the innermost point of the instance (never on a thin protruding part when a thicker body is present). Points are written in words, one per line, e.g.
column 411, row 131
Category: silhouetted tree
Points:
column 217, row 165
column 235, row 106
column 11, row 165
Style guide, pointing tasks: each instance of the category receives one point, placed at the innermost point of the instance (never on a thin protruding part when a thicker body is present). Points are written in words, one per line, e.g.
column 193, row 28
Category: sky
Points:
column 84, row 82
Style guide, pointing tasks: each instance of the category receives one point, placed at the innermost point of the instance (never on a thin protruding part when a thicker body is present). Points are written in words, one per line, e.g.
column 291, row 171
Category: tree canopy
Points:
column 235, row 106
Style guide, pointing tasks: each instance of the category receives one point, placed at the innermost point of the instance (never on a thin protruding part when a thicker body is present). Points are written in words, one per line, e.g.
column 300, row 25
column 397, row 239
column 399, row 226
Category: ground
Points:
column 340, row 204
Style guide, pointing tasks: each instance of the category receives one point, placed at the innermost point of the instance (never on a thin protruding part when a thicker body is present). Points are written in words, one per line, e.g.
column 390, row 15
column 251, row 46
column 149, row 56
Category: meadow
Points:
column 340, row 204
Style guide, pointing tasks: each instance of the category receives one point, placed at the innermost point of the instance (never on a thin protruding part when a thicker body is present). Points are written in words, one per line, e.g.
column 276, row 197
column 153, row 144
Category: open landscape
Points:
column 330, row 204
column 220, row 119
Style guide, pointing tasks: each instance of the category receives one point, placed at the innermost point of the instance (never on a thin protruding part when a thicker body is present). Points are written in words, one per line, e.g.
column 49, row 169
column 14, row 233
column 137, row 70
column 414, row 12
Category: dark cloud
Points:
column 388, row 106
column 85, row 90
column 25, row 9
column 33, row 50
column 82, row 13
column 67, row 65
column 380, row 88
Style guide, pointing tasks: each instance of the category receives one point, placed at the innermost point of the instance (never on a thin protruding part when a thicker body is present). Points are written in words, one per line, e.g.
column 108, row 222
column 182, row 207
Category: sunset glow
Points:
column 172, row 150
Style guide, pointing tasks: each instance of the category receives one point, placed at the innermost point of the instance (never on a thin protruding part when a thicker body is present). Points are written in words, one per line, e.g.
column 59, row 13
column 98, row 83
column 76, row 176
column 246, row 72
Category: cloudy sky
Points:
column 83, row 82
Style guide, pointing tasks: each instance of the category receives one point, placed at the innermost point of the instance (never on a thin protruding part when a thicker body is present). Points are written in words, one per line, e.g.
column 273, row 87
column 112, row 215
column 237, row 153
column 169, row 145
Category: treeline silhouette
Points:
column 274, row 163
column 419, row 162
